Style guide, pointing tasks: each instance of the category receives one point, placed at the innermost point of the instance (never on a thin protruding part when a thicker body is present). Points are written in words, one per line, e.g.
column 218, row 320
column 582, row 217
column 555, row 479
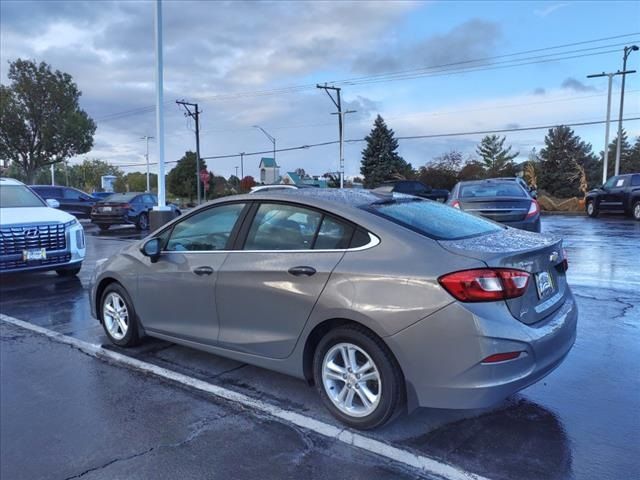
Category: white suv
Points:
column 35, row 236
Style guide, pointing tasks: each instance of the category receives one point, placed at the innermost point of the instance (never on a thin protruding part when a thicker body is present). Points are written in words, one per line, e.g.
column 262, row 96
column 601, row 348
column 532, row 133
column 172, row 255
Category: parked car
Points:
column 35, row 235
column 71, row 200
column 620, row 194
column 101, row 195
column 381, row 301
column 504, row 201
column 413, row 187
column 130, row 208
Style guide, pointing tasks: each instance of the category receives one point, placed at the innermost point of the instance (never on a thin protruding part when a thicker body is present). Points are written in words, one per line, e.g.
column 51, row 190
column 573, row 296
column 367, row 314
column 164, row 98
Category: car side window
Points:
column 283, row 227
column 148, row 199
column 71, row 194
column 206, row 230
column 333, row 234
column 635, row 181
column 611, row 182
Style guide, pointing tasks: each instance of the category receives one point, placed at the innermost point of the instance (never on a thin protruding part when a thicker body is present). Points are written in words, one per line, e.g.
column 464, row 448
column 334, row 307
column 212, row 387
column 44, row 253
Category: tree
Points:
column 233, row 183
column 626, row 156
column 442, row 172
column 182, row 178
column 497, row 160
column 472, row 170
column 633, row 165
column 333, row 179
column 137, row 181
column 88, row 174
column 41, row 122
column 380, row 159
column 556, row 175
column 246, row 183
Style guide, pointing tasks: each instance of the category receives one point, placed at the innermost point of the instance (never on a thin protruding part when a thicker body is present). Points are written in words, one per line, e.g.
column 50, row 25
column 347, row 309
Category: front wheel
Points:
column 592, row 210
column 636, row 210
column 357, row 377
column 118, row 316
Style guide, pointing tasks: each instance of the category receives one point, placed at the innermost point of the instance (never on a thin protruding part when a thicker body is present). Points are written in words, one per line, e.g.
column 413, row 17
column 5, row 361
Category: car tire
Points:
column 635, row 210
column 343, row 391
column 118, row 316
column 592, row 209
column 143, row 221
column 103, row 227
column 69, row 272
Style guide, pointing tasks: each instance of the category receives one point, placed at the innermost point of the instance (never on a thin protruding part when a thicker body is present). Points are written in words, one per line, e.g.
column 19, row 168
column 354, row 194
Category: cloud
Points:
column 539, row 91
column 473, row 39
column 549, row 9
column 571, row 83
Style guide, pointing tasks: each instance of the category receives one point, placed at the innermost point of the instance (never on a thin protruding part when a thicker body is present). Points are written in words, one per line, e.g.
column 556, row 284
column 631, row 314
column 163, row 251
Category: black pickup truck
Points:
column 619, row 194
column 413, row 187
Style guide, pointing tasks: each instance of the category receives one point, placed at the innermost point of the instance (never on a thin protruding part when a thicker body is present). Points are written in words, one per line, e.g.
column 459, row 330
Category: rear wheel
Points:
column 143, row 221
column 636, row 210
column 103, row 227
column 592, row 210
column 357, row 377
column 118, row 316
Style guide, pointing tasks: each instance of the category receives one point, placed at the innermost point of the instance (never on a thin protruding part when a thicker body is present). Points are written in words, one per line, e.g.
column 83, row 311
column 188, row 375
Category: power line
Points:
column 409, row 137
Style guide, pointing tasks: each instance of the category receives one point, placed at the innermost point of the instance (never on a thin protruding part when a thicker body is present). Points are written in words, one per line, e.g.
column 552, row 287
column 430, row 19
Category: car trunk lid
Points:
column 499, row 209
column 541, row 256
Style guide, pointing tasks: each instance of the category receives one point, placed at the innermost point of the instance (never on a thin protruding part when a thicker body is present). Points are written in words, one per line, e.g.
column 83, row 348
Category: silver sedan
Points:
column 383, row 302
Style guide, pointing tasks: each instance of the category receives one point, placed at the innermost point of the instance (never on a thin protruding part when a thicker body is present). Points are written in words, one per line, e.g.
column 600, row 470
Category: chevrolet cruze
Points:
column 384, row 302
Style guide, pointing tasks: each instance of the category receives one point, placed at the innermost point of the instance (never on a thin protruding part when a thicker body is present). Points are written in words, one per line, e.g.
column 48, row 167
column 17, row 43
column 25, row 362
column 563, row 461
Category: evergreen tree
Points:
column 380, row 159
column 556, row 175
column 182, row 179
column 626, row 151
column 497, row 160
column 633, row 165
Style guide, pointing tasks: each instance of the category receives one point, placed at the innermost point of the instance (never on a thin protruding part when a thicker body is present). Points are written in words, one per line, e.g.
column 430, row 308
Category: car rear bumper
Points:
column 441, row 355
column 111, row 219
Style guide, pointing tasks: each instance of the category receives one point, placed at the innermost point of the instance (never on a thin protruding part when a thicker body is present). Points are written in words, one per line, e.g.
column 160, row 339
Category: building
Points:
column 293, row 178
column 269, row 171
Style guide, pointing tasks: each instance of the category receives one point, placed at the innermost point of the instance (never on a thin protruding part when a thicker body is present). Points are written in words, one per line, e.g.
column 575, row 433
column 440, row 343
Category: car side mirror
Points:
column 152, row 249
column 53, row 203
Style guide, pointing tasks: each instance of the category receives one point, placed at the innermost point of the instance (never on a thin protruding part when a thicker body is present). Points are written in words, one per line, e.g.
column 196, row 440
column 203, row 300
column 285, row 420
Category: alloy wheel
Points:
column 351, row 380
column 115, row 315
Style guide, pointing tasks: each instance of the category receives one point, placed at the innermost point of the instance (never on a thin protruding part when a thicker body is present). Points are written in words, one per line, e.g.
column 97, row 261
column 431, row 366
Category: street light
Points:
column 273, row 140
column 147, row 138
column 627, row 52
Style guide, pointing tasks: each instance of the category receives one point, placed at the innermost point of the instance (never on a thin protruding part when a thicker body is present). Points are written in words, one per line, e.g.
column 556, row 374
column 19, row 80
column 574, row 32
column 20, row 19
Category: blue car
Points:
column 131, row 208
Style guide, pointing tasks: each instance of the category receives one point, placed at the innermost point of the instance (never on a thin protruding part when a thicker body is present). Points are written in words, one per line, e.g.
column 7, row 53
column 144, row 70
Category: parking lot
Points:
column 582, row 421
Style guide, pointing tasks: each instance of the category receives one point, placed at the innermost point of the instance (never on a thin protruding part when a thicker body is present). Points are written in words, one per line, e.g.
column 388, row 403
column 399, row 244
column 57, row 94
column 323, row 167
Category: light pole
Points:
column 627, row 52
column 273, row 140
column 147, row 138
column 236, row 167
column 242, row 165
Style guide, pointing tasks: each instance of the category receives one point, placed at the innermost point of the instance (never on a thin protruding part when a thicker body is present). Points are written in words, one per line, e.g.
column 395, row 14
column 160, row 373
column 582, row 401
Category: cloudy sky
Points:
column 429, row 68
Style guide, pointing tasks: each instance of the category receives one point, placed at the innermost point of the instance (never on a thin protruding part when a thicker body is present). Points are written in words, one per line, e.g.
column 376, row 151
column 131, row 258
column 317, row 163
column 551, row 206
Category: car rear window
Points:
column 121, row 197
column 433, row 219
column 486, row 190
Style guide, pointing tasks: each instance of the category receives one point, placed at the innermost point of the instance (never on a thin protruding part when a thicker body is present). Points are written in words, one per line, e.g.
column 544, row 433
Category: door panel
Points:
column 263, row 307
column 175, row 300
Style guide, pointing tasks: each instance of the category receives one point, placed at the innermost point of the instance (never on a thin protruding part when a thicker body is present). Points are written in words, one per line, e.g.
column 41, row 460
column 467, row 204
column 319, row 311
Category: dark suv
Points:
column 130, row 208
column 71, row 200
column 416, row 188
column 620, row 194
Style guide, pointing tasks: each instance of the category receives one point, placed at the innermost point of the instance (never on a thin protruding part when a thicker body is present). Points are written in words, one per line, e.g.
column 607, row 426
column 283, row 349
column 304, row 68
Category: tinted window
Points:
column 333, row 234
column 121, row 197
column 282, row 227
column 635, row 181
column 149, row 199
column 12, row 196
column 47, row 192
column 360, row 238
column 207, row 230
column 502, row 189
column 71, row 194
column 433, row 219
column 611, row 182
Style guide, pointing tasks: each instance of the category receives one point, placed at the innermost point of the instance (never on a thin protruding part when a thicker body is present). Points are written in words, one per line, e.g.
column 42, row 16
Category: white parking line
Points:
column 405, row 457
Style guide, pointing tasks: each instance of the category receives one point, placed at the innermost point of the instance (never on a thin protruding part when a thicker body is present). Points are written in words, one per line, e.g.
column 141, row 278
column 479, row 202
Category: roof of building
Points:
column 268, row 162
column 295, row 177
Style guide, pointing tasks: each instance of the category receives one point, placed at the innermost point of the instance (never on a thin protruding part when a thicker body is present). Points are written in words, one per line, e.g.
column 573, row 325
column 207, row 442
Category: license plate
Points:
column 544, row 284
column 106, row 209
column 35, row 254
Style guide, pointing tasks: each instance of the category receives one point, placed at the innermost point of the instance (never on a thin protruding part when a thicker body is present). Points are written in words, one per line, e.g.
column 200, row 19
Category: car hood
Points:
column 31, row 215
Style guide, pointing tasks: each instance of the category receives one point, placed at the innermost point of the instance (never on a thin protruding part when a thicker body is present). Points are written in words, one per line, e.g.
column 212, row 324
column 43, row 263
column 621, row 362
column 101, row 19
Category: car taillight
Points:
column 501, row 357
column 485, row 284
column 126, row 205
column 455, row 204
column 534, row 209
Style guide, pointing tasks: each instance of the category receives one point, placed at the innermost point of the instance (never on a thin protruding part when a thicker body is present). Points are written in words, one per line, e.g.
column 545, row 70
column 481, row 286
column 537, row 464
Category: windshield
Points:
column 485, row 190
column 120, row 197
column 433, row 219
column 12, row 196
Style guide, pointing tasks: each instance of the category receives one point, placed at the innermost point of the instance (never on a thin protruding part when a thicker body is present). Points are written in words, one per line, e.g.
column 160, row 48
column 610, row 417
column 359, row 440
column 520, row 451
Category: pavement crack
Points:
column 626, row 306
column 111, row 462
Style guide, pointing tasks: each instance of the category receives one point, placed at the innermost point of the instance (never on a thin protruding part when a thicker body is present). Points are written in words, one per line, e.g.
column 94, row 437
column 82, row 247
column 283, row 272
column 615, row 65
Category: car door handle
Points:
column 302, row 271
column 203, row 271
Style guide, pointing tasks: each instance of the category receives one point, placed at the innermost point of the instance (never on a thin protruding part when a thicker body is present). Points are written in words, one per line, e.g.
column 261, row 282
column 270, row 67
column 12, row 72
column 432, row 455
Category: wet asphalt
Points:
column 582, row 421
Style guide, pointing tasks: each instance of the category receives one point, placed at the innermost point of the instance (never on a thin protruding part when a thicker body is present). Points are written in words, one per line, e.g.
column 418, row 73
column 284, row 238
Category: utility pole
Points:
column 242, row 165
column 608, row 123
column 53, row 174
column 627, row 52
column 338, row 103
column 147, row 138
column 195, row 114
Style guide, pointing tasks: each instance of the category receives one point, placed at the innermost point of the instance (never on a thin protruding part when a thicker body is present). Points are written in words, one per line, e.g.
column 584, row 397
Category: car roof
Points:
column 327, row 197
column 10, row 181
column 487, row 180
